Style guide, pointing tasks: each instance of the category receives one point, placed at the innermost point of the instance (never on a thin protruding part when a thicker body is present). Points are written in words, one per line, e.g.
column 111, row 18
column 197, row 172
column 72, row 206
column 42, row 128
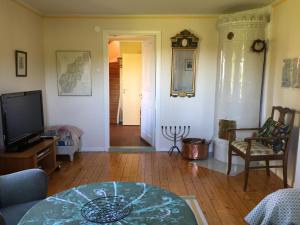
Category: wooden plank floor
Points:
column 121, row 135
column 220, row 197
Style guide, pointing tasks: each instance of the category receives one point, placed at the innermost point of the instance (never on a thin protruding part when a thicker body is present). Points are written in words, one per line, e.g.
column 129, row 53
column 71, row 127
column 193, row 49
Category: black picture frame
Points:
column 188, row 65
column 21, row 63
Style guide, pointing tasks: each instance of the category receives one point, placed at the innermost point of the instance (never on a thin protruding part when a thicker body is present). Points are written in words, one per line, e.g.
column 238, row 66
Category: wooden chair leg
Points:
column 285, row 184
column 229, row 160
column 268, row 167
column 247, row 162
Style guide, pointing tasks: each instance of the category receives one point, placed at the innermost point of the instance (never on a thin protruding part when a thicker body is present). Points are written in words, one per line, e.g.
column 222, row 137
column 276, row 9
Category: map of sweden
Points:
column 75, row 70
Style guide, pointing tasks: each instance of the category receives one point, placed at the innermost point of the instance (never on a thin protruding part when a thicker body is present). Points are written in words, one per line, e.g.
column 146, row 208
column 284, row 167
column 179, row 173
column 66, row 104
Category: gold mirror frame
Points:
column 183, row 75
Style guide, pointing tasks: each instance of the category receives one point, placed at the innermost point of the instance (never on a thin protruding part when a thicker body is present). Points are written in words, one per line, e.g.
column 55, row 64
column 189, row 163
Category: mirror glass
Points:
column 183, row 72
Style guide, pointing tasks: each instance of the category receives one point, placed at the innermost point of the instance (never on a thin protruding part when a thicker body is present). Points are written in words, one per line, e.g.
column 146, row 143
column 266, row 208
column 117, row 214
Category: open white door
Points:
column 148, row 91
column 131, row 85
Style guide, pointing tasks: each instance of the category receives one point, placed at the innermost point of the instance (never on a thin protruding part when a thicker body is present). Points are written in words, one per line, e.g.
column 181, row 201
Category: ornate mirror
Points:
column 184, row 47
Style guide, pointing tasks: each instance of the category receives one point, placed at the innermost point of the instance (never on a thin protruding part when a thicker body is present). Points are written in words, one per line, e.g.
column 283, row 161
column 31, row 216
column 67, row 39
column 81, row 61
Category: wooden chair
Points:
column 253, row 149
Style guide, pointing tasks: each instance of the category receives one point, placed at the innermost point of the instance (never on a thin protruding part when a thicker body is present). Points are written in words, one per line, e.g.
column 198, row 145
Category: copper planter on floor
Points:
column 194, row 148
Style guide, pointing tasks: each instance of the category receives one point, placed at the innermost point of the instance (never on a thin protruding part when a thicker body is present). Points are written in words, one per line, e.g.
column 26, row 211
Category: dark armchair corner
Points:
column 19, row 192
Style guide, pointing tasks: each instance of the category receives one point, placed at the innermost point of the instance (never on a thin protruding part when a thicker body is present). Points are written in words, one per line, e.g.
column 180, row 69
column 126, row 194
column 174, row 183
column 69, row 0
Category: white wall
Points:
column 20, row 30
column 284, row 43
column 87, row 112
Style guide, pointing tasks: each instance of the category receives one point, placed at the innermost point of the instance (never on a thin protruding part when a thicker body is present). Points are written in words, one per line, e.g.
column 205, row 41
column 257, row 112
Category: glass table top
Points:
column 149, row 205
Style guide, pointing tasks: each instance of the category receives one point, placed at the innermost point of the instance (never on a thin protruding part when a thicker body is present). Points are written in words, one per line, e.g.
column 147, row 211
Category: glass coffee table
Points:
column 119, row 202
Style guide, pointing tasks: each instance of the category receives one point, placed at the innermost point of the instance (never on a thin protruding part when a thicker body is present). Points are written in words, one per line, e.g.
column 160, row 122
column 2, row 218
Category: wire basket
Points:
column 106, row 209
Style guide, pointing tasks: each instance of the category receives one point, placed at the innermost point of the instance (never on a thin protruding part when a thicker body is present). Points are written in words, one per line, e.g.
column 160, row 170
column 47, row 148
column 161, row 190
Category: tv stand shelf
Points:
column 40, row 155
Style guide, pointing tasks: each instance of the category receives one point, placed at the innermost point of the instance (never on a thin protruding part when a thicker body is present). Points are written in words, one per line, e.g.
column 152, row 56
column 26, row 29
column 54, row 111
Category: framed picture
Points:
column 291, row 73
column 21, row 63
column 188, row 65
column 74, row 73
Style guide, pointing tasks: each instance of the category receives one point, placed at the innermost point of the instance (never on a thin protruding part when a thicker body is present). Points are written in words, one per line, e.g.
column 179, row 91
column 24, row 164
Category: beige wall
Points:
column 284, row 43
column 114, row 51
column 117, row 48
column 131, row 47
column 20, row 30
column 87, row 112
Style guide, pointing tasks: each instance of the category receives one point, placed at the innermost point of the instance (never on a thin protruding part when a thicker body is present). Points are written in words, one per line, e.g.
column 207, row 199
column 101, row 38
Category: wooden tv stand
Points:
column 40, row 155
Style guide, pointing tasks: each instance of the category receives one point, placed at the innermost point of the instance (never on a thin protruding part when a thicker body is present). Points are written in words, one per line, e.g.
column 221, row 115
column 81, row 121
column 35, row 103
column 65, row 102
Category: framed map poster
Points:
column 291, row 73
column 74, row 73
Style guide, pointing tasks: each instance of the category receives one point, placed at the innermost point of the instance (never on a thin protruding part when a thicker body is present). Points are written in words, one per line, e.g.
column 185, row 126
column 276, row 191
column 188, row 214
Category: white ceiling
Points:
column 139, row 7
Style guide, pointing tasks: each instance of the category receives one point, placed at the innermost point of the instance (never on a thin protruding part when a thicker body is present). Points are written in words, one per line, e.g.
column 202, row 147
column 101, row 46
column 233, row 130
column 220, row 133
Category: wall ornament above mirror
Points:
column 184, row 47
column 185, row 39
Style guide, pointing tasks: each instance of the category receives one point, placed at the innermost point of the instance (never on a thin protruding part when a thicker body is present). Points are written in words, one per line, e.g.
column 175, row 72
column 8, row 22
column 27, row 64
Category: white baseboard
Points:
column 162, row 149
column 94, row 149
column 103, row 149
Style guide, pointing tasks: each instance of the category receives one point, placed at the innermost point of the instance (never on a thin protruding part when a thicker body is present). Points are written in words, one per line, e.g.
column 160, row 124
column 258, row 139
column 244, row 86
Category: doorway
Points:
column 131, row 91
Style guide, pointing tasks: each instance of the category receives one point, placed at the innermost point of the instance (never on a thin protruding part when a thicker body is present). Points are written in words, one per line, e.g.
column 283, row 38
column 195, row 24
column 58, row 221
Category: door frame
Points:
column 106, row 35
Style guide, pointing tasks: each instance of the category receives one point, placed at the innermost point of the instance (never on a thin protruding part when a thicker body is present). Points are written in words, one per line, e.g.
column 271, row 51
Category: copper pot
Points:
column 195, row 148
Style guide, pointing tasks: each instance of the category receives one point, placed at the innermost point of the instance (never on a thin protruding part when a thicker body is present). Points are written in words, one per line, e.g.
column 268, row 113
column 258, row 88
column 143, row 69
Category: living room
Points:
column 44, row 29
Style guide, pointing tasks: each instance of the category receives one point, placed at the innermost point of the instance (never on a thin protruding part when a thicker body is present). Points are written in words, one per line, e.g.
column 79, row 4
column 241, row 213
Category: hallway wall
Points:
column 21, row 30
column 80, row 33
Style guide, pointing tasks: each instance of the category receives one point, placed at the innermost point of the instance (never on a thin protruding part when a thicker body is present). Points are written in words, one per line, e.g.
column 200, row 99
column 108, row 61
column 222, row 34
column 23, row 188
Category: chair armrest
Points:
column 2, row 221
column 24, row 186
column 232, row 132
column 242, row 129
column 265, row 138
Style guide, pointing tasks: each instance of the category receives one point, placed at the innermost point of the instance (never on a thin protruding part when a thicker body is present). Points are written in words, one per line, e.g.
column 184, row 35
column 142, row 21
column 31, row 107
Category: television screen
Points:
column 22, row 116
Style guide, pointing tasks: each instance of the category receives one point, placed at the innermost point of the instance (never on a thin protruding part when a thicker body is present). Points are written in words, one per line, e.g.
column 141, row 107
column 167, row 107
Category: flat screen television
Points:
column 22, row 118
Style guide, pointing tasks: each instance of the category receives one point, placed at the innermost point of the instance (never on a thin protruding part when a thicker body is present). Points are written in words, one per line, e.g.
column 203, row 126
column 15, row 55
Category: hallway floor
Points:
column 126, row 136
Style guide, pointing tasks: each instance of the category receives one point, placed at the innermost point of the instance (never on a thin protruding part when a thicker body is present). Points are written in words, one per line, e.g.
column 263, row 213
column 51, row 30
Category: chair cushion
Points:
column 13, row 214
column 268, row 128
column 272, row 128
column 257, row 148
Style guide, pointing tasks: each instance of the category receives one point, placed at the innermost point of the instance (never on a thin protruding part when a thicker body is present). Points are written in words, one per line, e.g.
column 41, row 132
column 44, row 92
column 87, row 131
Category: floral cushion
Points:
column 272, row 128
column 257, row 148
column 268, row 128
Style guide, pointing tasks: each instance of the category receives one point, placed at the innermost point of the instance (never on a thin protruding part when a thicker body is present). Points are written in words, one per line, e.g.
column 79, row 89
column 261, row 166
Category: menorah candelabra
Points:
column 173, row 134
